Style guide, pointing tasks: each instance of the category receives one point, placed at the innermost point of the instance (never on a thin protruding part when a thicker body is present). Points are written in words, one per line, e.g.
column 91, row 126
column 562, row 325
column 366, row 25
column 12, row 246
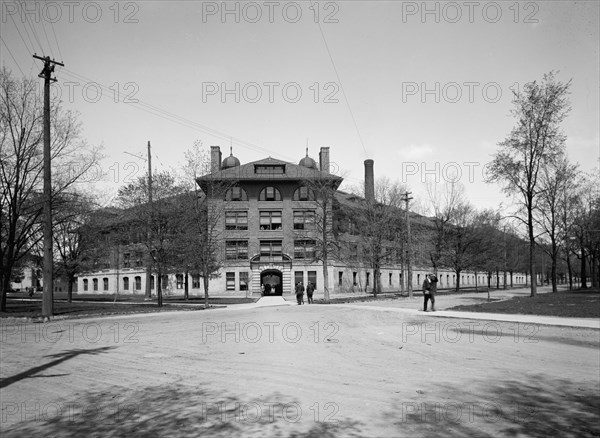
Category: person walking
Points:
column 310, row 289
column 429, row 290
column 300, row 292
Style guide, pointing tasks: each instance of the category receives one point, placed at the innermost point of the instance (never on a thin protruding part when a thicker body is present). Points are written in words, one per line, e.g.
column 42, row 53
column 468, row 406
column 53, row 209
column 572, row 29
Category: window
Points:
column 236, row 194
column 390, row 278
column 298, row 277
column 152, row 282
column 278, row 169
column 230, row 280
column 270, row 220
column 85, row 284
column 340, row 278
column 368, row 277
column 312, row 277
column 243, row 281
column 125, row 283
column 179, row 281
column 354, row 278
column 304, row 219
column 353, row 251
column 127, row 260
column 271, row 250
column 138, row 282
column 304, row 249
column 236, row 220
column 269, row 194
column 236, row 249
column 195, row 281
column 105, row 283
column 303, row 194
column 138, row 260
column 95, row 282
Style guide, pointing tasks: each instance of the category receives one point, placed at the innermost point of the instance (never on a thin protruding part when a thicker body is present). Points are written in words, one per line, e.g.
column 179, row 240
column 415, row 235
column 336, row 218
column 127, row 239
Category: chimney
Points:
column 324, row 159
column 215, row 159
column 369, row 182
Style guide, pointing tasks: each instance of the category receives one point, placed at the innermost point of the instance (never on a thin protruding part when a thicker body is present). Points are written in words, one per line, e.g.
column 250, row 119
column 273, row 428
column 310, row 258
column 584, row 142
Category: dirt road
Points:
column 298, row 371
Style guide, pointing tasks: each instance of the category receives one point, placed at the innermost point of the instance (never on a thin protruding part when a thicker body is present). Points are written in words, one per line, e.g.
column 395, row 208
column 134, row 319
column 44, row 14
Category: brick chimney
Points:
column 369, row 182
column 324, row 159
column 215, row 159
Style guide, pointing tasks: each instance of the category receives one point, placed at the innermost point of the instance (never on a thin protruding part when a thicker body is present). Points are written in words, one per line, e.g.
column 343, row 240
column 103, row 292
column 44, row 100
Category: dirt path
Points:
column 298, row 371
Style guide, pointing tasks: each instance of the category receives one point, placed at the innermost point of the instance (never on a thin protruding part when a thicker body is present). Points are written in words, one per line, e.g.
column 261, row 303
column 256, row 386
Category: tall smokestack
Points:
column 324, row 159
column 369, row 182
column 215, row 159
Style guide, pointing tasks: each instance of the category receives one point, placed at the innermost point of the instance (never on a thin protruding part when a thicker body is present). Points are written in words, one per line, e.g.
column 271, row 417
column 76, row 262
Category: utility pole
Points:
column 47, row 299
column 149, row 234
column 409, row 286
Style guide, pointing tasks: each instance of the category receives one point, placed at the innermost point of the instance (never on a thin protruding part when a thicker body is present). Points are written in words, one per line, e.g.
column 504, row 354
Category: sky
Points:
column 422, row 88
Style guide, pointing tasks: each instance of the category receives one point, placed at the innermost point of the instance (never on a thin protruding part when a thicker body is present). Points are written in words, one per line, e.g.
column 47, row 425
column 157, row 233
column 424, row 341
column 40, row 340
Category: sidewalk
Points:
column 523, row 319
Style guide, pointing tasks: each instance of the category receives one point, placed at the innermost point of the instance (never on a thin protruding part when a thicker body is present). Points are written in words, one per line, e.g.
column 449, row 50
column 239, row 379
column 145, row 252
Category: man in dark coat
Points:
column 429, row 290
column 300, row 292
column 310, row 288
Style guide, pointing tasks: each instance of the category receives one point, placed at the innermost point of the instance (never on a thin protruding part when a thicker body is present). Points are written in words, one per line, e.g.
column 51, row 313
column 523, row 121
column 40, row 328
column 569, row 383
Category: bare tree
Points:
column 380, row 224
column 69, row 241
column 21, row 167
column 557, row 179
column 445, row 200
column 322, row 189
column 534, row 142
column 160, row 217
column 201, row 240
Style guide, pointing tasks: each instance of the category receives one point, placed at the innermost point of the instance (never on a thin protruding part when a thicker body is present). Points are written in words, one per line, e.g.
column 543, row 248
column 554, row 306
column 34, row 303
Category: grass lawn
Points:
column 20, row 305
column 575, row 304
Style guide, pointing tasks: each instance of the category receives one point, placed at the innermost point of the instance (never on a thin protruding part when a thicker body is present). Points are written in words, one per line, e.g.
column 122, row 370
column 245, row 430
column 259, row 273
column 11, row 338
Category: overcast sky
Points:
column 421, row 88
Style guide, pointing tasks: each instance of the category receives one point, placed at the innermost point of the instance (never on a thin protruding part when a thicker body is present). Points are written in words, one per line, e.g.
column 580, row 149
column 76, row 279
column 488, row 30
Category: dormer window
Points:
column 269, row 169
column 269, row 194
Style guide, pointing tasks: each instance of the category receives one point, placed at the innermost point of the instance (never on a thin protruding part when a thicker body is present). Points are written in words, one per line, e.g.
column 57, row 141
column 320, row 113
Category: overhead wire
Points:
column 12, row 56
column 337, row 75
column 173, row 117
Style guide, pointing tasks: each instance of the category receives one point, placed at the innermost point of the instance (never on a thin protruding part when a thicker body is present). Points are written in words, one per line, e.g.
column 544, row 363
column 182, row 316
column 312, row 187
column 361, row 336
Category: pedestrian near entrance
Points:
column 310, row 288
column 429, row 290
column 300, row 293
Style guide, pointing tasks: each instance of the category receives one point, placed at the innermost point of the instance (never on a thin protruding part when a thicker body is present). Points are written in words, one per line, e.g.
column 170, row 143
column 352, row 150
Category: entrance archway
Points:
column 272, row 280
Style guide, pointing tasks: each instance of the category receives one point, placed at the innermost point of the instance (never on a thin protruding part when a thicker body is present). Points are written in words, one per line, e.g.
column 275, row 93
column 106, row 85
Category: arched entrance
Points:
column 272, row 280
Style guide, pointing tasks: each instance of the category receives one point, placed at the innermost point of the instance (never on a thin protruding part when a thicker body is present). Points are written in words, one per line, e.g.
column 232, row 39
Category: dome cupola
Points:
column 230, row 161
column 308, row 162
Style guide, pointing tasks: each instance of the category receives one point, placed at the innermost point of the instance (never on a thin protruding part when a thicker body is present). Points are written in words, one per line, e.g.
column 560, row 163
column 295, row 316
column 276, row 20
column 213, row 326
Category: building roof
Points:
column 258, row 171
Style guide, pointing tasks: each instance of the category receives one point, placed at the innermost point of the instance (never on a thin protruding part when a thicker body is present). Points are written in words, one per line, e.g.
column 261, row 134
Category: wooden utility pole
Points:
column 408, row 247
column 149, row 234
column 48, row 299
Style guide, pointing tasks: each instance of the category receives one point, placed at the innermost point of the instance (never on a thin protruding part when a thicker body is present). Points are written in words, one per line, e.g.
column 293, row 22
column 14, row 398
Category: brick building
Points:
column 270, row 228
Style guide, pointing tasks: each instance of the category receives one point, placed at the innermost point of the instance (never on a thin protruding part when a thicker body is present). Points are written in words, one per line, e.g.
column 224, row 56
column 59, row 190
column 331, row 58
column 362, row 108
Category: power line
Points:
column 22, row 39
column 11, row 55
column 341, row 87
column 28, row 21
column 177, row 119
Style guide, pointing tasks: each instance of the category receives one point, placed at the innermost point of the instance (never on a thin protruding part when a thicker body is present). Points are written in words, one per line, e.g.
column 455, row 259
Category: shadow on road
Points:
column 60, row 357
column 537, row 406
column 177, row 410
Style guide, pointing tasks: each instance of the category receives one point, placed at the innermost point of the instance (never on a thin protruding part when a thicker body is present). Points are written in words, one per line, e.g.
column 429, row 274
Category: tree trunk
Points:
column 583, row 269
column 4, row 288
column 205, row 282
column 71, row 280
column 553, row 274
column 570, row 272
column 531, row 249
column 186, row 290
column 375, row 282
column 457, row 288
column 159, row 288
